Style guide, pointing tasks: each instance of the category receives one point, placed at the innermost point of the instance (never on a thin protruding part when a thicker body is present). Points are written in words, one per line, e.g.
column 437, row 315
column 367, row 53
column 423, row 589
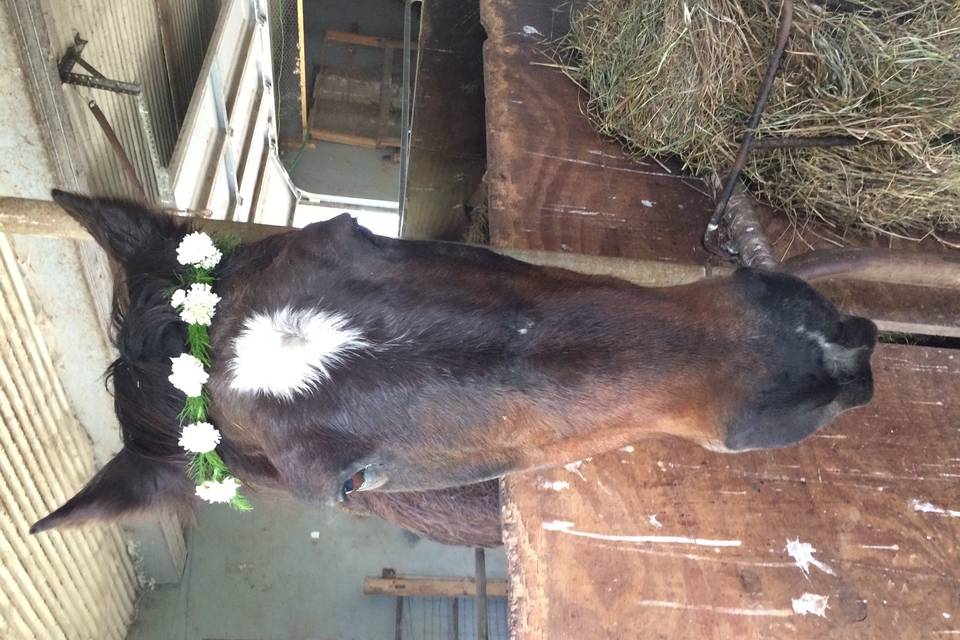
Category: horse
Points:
column 402, row 378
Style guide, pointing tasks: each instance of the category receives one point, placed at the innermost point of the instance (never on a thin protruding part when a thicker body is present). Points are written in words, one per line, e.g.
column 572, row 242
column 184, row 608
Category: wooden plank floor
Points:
column 671, row 541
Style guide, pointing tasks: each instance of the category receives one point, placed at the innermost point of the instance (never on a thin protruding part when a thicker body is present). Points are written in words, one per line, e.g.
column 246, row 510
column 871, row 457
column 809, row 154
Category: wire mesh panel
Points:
column 185, row 28
column 286, row 27
column 451, row 619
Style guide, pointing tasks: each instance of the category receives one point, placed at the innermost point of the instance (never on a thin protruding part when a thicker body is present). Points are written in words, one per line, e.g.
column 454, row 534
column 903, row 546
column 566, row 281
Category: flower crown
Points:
column 197, row 304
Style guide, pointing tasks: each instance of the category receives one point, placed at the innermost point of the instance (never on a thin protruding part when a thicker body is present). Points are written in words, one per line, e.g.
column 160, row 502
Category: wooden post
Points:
column 302, row 55
column 398, row 628
column 455, row 620
column 481, row 594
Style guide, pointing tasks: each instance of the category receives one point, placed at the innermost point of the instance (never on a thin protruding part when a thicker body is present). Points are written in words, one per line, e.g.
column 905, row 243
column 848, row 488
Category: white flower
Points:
column 176, row 300
column 199, row 437
column 198, row 304
column 188, row 375
column 198, row 249
column 218, row 492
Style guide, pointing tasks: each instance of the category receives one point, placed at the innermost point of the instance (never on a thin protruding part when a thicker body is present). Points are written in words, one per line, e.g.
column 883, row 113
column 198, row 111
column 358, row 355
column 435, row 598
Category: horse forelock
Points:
column 148, row 332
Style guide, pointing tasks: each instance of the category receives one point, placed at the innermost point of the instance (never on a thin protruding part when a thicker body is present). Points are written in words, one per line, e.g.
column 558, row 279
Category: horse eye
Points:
column 355, row 483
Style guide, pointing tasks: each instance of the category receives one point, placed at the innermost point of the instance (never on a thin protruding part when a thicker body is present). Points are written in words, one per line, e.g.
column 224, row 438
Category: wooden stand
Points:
column 357, row 120
column 668, row 541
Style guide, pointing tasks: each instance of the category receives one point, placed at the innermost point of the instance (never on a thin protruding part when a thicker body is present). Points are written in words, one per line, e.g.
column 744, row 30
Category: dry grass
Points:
column 680, row 78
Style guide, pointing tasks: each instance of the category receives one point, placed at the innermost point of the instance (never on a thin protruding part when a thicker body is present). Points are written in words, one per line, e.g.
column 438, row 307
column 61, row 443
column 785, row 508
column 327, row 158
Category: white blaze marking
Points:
column 811, row 604
column 926, row 507
column 288, row 352
column 556, row 485
column 802, row 554
column 563, row 526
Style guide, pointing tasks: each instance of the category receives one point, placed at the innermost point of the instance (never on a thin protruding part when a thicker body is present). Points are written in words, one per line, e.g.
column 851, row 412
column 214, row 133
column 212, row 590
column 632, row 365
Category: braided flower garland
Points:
column 197, row 304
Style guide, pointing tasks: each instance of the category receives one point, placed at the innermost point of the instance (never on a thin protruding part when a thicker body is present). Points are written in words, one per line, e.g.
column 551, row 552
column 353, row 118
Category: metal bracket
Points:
column 95, row 80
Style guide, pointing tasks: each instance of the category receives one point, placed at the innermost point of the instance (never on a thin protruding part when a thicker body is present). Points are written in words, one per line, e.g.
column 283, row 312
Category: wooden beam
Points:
column 294, row 145
column 366, row 142
column 46, row 218
column 344, row 37
column 921, row 310
column 481, row 606
column 431, row 587
column 303, row 68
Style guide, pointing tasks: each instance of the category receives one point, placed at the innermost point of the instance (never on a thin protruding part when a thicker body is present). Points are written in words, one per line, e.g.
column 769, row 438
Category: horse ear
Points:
column 128, row 485
column 124, row 229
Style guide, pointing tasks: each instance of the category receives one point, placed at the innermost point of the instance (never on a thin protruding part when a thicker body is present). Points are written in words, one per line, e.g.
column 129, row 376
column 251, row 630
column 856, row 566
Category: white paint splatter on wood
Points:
column 574, row 467
column 731, row 611
column 530, row 30
column 811, row 604
column 628, row 449
column 556, row 485
column 927, row 507
column 884, row 547
column 802, row 554
column 647, row 203
column 652, row 519
column 564, row 526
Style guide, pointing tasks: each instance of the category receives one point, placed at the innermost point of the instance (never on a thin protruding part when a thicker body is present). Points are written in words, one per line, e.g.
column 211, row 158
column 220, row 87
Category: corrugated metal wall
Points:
column 76, row 584
column 125, row 42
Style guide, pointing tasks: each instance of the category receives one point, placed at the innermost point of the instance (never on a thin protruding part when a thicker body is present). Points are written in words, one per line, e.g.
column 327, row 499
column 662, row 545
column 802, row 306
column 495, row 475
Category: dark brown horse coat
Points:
column 471, row 365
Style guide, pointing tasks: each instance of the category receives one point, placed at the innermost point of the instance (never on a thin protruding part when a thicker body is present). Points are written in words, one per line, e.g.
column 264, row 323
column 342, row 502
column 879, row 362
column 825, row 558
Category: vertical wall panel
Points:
column 158, row 44
column 75, row 584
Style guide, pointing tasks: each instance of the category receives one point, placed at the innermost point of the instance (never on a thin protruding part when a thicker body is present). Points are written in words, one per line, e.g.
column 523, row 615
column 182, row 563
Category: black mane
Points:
column 148, row 332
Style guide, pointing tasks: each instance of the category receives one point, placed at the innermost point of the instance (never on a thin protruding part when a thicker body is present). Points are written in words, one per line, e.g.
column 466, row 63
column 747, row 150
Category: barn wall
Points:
column 74, row 584
column 123, row 40
column 26, row 171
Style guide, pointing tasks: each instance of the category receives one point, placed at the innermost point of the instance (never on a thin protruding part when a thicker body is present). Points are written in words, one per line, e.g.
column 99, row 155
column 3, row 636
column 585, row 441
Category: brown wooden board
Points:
column 897, row 307
column 555, row 184
column 876, row 494
column 448, row 138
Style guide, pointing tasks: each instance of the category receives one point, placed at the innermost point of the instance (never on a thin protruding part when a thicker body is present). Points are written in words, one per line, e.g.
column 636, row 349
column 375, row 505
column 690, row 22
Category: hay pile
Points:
column 680, row 78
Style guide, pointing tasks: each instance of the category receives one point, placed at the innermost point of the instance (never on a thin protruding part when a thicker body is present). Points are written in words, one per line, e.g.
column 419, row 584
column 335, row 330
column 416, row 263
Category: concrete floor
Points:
column 261, row 576
column 342, row 170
